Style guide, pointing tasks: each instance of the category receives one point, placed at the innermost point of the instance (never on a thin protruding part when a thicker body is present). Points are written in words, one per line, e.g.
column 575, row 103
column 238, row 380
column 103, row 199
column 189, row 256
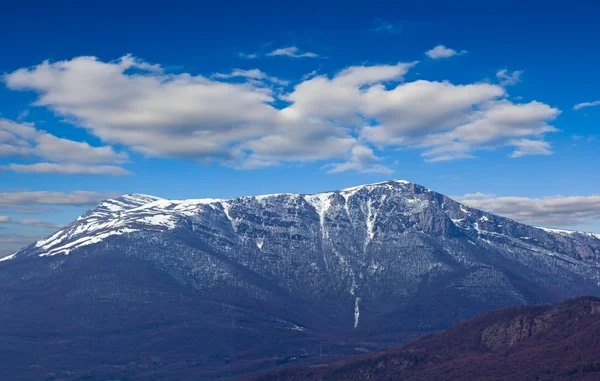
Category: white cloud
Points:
column 246, row 125
column 362, row 159
column 309, row 75
column 579, row 106
column 452, row 121
column 68, row 169
column 546, row 211
column 422, row 107
column 292, row 51
column 4, row 219
column 340, row 97
column 251, row 74
column 65, row 150
column 441, row 51
column 249, row 56
column 77, row 198
column 509, row 79
column 530, row 147
column 494, row 124
column 25, row 141
column 153, row 113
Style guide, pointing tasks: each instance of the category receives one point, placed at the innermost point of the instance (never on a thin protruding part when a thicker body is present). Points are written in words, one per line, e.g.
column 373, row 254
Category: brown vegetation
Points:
column 519, row 343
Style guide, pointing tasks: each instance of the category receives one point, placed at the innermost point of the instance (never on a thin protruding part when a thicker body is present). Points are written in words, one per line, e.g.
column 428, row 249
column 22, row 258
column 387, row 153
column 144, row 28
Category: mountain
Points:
column 516, row 343
column 151, row 288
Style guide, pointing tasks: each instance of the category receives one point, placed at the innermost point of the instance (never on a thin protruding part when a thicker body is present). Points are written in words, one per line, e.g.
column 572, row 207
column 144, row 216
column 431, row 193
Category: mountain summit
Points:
column 217, row 287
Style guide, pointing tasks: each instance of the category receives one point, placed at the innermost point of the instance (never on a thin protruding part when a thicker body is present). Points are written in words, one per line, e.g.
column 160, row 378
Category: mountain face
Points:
column 197, row 289
column 518, row 343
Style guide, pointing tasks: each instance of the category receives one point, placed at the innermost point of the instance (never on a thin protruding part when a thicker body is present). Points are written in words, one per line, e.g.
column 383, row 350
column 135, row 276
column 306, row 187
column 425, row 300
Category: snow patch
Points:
column 370, row 222
column 464, row 210
column 50, row 239
column 321, row 202
column 8, row 257
column 85, row 241
column 356, row 311
column 457, row 221
column 569, row 232
column 160, row 220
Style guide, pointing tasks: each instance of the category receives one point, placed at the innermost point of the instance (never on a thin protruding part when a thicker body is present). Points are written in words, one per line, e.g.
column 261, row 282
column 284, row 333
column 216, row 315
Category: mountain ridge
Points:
column 131, row 202
column 252, row 282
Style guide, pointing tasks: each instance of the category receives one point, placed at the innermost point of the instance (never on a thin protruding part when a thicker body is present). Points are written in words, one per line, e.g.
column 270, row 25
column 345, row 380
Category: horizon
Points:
column 298, row 98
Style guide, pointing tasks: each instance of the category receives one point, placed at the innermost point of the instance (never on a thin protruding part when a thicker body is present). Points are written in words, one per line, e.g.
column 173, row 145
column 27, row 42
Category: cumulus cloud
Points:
column 547, row 211
column 452, row 121
column 440, row 51
column 68, row 169
column 579, row 106
column 362, row 159
column 244, row 124
column 508, row 79
column 292, row 51
column 77, row 198
column 154, row 113
column 4, row 219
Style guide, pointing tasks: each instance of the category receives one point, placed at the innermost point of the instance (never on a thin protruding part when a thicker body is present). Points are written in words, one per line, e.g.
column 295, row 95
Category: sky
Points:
column 494, row 103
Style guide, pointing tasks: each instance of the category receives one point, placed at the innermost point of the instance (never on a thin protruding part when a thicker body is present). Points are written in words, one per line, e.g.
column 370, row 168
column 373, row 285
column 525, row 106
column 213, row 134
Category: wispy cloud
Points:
column 31, row 223
column 22, row 115
column 547, row 211
column 255, row 74
column 76, row 198
column 68, row 169
column 292, row 51
column 381, row 25
column 362, row 159
column 249, row 56
column 508, row 79
column 579, row 106
column 9, row 243
column 441, row 51
column 526, row 147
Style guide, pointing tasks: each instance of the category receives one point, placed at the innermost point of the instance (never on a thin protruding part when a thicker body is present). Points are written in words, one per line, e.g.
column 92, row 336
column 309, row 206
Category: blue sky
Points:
column 475, row 100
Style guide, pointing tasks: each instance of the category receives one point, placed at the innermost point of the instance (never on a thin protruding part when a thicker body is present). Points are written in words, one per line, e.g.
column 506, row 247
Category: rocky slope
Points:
column 516, row 343
column 204, row 288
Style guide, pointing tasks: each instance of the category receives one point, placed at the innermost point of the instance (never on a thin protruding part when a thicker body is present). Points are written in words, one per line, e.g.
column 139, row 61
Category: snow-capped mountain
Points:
column 246, row 278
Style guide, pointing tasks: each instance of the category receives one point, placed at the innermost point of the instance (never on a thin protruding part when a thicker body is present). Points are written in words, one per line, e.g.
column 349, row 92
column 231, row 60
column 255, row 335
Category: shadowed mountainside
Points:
column 517, row 343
